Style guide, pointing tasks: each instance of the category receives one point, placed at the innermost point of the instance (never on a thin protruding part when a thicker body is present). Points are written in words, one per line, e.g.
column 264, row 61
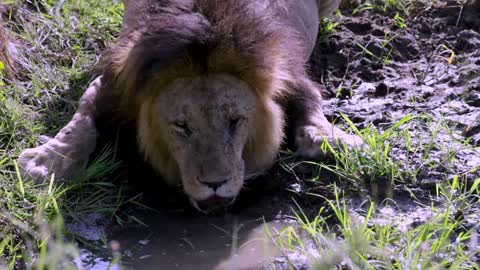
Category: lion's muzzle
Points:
column 213, row 204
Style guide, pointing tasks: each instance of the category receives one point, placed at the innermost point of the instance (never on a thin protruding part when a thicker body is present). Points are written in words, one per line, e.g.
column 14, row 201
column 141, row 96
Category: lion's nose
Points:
column 214, row 185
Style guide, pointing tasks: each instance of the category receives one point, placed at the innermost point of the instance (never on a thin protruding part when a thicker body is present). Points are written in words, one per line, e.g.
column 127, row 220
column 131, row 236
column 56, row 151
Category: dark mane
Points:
column 187, row 38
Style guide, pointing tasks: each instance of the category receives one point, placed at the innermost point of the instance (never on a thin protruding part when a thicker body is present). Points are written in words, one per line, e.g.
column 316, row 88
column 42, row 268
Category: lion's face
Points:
column 205, row 122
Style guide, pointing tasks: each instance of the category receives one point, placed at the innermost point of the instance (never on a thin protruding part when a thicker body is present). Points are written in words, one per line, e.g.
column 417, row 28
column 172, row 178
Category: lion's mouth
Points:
column 213, row 204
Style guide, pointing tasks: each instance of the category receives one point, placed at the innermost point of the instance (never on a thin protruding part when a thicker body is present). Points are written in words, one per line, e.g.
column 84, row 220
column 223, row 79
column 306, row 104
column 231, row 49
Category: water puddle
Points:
column 230, row 242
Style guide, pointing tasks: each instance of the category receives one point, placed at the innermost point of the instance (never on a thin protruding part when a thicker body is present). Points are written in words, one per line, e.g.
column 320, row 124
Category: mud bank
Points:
column 377, row 72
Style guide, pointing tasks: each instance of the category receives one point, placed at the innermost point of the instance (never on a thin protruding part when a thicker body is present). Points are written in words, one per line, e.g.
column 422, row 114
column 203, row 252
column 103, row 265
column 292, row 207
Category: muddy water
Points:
column 185, row 239
column 177, row 242
column 176, row 236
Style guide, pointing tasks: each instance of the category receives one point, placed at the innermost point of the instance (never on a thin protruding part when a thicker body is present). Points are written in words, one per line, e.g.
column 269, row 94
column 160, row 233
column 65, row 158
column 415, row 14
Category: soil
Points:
column 376, row 72
column 431, row 68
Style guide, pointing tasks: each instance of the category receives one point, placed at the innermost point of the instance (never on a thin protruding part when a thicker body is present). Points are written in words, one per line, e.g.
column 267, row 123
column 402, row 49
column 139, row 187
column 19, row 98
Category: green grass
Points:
column 399, row 8
column 366, row 239
column 58, row 43
column 363, row 226
column 404, row 154
column 326, row 28
column 373, row 162
column 405, row 7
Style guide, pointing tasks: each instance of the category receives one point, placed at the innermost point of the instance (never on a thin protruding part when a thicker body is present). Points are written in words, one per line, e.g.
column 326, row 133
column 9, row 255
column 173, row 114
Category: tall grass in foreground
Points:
column 58, row 42
column 381, row 234
column 32, row 229
column 340, row 238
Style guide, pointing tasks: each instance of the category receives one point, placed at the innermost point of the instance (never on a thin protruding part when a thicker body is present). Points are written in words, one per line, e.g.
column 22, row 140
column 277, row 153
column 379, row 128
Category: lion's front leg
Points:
column 311, row 125
column 70, row 149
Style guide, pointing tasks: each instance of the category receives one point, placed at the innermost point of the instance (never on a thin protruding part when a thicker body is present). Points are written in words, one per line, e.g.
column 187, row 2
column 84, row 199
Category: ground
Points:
column 404, row 75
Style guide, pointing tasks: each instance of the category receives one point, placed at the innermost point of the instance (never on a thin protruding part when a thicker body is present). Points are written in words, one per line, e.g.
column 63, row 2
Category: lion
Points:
column 212, row 90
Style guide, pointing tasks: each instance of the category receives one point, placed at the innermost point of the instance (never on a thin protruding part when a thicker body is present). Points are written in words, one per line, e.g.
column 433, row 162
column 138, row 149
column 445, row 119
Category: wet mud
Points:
column 376, row 71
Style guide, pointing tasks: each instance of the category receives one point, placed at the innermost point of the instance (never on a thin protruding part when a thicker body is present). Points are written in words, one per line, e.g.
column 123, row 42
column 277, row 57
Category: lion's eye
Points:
column 181, row 127
column 234, row 124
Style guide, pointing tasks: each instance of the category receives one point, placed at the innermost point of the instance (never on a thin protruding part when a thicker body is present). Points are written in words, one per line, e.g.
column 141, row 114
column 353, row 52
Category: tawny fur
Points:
column 172, row 55
column 215, row 37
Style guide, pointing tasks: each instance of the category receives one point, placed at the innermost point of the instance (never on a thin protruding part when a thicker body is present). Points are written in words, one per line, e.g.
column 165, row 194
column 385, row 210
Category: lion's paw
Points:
column 71, row 147
column 50, row 158
column 309, row 139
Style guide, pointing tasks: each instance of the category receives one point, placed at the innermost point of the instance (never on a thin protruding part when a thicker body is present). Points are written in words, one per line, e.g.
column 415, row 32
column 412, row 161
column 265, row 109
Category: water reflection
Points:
column 230, row 242
column 258, row 249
